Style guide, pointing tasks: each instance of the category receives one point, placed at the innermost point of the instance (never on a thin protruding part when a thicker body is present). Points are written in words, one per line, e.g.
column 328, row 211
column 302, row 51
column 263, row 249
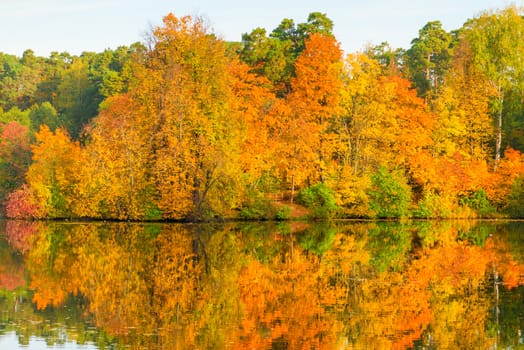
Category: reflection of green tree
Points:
column 318, row 238
column 264, row 241
column 428, row 232
column 478, row 234
column 511, row 319
column 511, row 304
column 389, row 244
column 512, row 234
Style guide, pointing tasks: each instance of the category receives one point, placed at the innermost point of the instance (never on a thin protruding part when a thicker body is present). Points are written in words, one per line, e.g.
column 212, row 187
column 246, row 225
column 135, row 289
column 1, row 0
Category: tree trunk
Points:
column 428, row 74
column 498, row 141
column 292, row 188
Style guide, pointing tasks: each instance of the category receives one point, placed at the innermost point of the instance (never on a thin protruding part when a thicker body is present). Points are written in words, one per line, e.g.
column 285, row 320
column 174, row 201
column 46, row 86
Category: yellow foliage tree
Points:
column 118, row 149
column 54, row 174
column 184, row 89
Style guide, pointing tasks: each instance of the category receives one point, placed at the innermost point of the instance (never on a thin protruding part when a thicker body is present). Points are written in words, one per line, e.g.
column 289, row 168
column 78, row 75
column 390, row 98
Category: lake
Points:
column 287, row 285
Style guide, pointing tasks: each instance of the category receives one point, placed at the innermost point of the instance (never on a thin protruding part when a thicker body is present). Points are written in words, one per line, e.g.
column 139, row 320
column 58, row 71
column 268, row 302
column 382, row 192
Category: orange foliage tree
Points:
column 54, row 175
column 314, row 102
column 262, row 120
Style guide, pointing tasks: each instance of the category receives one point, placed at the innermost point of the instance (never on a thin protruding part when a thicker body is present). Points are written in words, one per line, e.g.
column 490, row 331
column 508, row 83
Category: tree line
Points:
column 188, row 127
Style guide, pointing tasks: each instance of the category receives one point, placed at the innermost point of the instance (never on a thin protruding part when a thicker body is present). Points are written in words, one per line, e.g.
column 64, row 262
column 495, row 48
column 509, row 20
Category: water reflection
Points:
column 423, row 285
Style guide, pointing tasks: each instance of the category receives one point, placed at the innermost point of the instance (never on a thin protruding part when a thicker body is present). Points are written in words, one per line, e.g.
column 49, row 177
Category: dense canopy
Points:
column 189, row 127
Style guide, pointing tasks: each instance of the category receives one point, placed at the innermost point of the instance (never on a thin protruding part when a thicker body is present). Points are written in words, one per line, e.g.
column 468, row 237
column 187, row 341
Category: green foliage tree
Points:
column 44, row 114
column 76, row 97
column 274, row 56
column 320, row 199
column 52, row 70
column 497, row 44
column 478, row 201
column 19, row 79
column 15, row 115
column 317, row 23
column 389, row 58
column 390, row 195
column 73, row 85
column 428, row 57
column 515, row 206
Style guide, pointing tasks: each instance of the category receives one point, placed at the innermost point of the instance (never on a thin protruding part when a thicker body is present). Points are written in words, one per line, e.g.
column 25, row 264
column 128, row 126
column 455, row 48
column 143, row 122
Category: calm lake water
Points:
column 344, row 285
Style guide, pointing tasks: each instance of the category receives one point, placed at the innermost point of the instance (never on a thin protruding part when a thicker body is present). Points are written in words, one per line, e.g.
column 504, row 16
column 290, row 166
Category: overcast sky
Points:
column 94, row 25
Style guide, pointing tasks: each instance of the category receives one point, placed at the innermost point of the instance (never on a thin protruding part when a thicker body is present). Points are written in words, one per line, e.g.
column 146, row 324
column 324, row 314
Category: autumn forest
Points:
column 186, row 126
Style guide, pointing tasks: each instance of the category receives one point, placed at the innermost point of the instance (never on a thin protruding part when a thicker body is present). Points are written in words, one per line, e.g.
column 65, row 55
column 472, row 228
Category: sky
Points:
column 75, row 26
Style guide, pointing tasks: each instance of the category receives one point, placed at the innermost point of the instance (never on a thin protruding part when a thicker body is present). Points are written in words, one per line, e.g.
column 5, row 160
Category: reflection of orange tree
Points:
column 110, row 274
column 48, row 266
column 11, row 274
column 439, row 297
column 189, row 289
column 107, row 273
column 456, row 272
column 163, row 291
column 504, row 264
column 19, row 233
column 391, row 312
column 285, row 301
column 460, row 264
column 390, row 307
column 175, row 282
column 11, row 267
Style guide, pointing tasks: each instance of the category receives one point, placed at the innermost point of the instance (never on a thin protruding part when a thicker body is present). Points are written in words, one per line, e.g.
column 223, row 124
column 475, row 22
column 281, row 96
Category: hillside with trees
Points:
column 189, row 127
